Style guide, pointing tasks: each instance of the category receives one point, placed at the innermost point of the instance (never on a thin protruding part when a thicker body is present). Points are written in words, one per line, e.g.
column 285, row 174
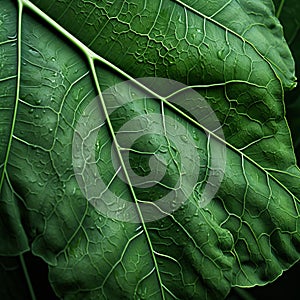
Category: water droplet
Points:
column 174, row 204
column 138, row 228
column 97, row 146
column 38, row 102
column 12, row 37
column 142, row 294
column 187, row 219
column 184, row 138
column 50, row 129
column 195, row 135
column 33, row 52
column 32, row 180
column 31, row 110
column 53, row 58
column 36, row 116
column 163, row 149
column 222, row 54
column 74, row 191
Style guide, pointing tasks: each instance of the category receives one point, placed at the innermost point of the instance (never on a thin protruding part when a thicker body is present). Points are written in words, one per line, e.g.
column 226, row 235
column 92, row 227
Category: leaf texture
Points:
column 233, row 54
column 288, row 13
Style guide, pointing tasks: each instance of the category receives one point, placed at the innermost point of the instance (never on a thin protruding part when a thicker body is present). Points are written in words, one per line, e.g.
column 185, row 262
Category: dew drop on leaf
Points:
column 184, row 138
column 222, row 54
column 12, row 37
column 33, row 52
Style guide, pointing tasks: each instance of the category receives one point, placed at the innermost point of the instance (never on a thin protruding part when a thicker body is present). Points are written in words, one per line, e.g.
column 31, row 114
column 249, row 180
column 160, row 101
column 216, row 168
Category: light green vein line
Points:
column 120, row 259
column 8, row 42
column 59, row 28
column 92, row 66
column 278, row 13
column 8, row 78
column 17, row 95
column 135, row 292
column 190, row 8
column 27, row 277
column 95, row 56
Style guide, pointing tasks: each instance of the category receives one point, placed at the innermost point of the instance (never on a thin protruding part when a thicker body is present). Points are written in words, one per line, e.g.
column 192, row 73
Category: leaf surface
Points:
column 69, row 52
column 288, row 13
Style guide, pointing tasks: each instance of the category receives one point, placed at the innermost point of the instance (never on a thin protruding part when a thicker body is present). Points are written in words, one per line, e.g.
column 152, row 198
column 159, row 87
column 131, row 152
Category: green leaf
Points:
column 14, row 241
column 14, row 280
column 288, row 13
column 231, row 53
